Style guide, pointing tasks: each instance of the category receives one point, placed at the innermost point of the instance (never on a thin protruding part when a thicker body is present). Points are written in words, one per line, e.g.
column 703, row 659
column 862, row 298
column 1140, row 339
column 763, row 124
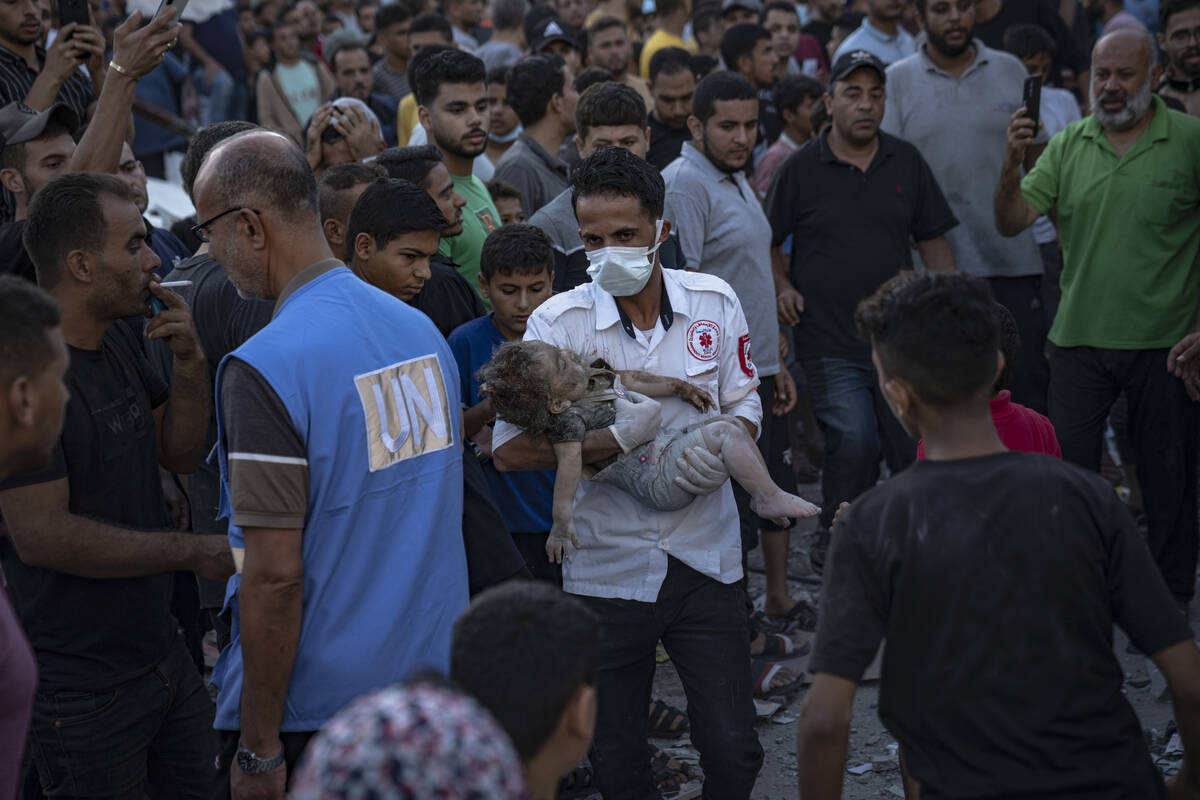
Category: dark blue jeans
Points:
column 150, row 737
column 702, row 625
column 1084, row 384
column 858, row 427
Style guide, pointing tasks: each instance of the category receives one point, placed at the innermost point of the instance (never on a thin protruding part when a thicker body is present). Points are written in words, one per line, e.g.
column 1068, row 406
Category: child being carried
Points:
column 547, row 390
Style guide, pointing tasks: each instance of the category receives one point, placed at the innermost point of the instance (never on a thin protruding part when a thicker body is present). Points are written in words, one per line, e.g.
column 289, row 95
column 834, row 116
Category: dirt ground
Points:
column 872, row 748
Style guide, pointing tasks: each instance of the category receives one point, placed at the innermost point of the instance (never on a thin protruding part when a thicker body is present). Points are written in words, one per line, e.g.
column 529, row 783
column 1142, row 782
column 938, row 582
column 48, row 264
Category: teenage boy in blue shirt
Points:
column 515, row 275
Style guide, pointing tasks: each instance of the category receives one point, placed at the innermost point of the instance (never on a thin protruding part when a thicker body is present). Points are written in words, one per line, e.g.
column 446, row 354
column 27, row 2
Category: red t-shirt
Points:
column 1020, row 428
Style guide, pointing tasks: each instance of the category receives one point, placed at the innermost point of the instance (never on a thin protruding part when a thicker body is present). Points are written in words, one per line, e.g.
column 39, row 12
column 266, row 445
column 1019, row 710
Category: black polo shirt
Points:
column 665, row 143
column 447, row 298
column 850, row 232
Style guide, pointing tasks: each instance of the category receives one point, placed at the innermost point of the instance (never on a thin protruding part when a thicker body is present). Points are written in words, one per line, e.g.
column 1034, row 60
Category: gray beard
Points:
column 1126, row 118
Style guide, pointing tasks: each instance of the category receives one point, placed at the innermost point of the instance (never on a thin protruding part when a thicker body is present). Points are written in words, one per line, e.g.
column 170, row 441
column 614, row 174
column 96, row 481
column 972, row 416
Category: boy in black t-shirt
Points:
column 996, row 578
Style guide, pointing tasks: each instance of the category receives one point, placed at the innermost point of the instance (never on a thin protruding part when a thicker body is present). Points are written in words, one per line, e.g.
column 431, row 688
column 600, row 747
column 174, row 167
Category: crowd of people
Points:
column 501, row 335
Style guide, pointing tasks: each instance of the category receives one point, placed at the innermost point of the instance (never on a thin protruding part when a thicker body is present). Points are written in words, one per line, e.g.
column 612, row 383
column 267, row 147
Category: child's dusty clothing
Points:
column 648, row 471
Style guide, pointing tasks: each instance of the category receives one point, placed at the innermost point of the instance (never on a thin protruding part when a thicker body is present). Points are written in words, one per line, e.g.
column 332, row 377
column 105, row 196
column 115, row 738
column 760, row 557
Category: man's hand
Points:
column 785, row 392
column 267, row 786
column 1021, row 130
column 703, row 472
column 174, row 324
column 638, row 420
column 90, row 42
column 320, row 121
column 1184, row 363
column 139, row 50
column 360, row 130
column 790, row 305
column 214, row 559
column 65, row 54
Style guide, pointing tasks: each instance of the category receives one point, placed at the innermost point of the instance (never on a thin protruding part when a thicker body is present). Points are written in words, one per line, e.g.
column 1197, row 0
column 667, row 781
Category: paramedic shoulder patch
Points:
column 407, row 411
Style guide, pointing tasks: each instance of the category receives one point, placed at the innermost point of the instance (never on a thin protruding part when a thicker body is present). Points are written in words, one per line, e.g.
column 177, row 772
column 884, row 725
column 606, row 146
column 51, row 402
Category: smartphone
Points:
column 166, row 4
column 73, row 11
column 1032, row 99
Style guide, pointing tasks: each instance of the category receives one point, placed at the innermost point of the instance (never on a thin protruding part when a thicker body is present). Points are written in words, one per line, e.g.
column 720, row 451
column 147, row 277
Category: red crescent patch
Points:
column 704, row 339
column 744, row 355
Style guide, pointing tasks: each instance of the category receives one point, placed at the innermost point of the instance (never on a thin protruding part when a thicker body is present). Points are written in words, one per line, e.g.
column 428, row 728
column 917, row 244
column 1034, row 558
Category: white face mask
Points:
column 624, row 271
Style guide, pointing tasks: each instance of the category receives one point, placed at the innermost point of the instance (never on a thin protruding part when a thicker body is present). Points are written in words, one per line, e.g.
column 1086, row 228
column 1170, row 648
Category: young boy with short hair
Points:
column 528, row 653
column 515, row 274
column 996, row 578
column 794, row 98
column 508, row 201
column 1020, row 428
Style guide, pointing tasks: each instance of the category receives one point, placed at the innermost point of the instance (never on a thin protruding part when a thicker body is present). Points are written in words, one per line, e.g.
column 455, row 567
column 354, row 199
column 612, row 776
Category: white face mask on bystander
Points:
column 624, row 271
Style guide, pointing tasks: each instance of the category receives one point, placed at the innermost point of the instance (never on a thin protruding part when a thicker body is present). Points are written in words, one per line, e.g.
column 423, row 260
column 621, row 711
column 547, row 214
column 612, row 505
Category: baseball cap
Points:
column 848, row 62
column 20, row 123
column 551, row 30
column 749, row 5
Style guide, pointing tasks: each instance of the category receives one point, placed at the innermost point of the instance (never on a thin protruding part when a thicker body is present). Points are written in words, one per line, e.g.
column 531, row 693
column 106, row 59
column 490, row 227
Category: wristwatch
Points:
column 252, row 764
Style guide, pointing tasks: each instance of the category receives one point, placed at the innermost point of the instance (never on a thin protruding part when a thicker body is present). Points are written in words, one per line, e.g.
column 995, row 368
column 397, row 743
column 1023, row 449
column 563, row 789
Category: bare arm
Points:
column 182, row 422
column 478, row 415
column 789, row 302
column 526, row 452
column 652, row 385
column 46, row 534
column 1180, row 665
column 824, row 737
column 137, row 51
column 62, row 59
column 1012, row 211
column 566, row 482
column 269, row 617
column 936, row 254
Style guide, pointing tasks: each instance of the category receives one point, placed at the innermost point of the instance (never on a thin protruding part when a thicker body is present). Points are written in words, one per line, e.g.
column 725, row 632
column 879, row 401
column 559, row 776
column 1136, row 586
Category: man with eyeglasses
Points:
column 341, row 471
column 1179, row 39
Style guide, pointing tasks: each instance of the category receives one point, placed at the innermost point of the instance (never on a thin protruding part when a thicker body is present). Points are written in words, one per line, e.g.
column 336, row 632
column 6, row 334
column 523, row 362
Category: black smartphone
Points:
column 73, row 11
column 1032, row 99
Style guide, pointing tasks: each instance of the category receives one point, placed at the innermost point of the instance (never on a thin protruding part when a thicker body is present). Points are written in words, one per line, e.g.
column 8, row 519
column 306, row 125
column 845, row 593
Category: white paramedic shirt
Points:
column 702, row 337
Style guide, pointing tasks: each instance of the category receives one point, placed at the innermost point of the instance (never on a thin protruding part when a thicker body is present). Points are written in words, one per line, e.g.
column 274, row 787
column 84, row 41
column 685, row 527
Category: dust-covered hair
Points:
column 520, row 385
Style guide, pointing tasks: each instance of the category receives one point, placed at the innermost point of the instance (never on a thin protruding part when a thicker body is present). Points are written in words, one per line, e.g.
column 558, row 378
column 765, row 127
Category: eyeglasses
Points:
column 201, row 231
column 1184, row 37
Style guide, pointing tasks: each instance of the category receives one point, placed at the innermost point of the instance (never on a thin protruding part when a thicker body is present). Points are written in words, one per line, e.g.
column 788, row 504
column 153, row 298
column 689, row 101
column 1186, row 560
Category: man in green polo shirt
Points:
column 1126, row 186
column 450, row 86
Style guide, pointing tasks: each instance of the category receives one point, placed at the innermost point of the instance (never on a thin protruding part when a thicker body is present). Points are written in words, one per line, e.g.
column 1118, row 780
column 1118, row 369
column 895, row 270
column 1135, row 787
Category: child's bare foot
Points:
column 780, row 506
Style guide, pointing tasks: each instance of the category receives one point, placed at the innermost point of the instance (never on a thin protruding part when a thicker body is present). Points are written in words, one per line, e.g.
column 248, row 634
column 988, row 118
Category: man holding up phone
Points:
column 39, row 76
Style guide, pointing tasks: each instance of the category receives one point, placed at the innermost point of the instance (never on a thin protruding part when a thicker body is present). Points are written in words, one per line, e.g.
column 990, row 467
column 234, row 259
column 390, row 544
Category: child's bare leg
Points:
column 746, row 465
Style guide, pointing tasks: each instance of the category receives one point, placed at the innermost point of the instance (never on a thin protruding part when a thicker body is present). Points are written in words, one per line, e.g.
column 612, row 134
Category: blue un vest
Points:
column 372, row 389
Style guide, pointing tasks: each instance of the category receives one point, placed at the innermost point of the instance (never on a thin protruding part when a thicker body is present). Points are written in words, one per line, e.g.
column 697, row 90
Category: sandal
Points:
column 778, row 647
column 667, row 722
column 766, row 672
column 803, row 613
column 670, row 774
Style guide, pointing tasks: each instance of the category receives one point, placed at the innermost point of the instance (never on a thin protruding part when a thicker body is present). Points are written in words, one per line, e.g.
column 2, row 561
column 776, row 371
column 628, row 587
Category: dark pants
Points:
column 1084, row 383
column 702, row 625
column 858, row 427
column 1031, row 375
column 151, row 736
column 532, row 547
column 294, row 745
column 1051, row 281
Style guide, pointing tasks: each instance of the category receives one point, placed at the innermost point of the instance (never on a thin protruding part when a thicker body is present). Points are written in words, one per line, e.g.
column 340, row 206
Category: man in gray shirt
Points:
column 541, row 92
column 953, row 99
column 724, row 231
column 609, row 114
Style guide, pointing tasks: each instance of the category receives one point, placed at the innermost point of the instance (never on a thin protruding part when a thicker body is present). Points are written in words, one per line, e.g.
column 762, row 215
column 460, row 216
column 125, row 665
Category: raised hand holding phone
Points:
column 1032, row 100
